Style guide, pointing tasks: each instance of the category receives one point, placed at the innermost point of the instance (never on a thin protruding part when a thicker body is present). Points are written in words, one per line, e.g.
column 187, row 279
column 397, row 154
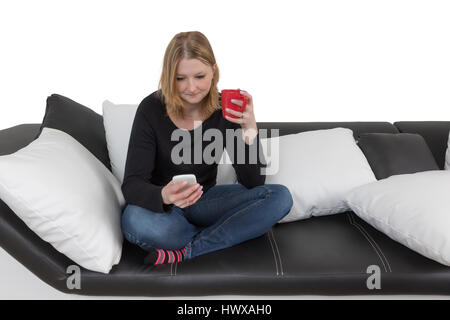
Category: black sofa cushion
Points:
column 401, row 153
column 435, row 134
column 82, row 123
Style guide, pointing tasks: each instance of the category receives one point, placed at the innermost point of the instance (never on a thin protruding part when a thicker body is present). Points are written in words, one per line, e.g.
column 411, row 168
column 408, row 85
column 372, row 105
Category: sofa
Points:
column 326, row 255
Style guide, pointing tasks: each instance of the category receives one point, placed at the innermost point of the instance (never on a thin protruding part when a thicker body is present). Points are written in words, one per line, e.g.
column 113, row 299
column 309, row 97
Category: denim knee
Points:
column 130, row 224
column 283, row 197
column 146, row 230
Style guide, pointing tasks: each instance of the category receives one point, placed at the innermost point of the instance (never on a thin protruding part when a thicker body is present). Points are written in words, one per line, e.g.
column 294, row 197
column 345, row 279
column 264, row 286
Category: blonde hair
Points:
column 190, row 45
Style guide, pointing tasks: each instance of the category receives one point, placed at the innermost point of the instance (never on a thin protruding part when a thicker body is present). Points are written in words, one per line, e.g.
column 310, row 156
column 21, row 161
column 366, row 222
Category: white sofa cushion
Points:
column 118, row 121
column 67, row 197
column 225, row 170
column 413, row 209
column 319, row 167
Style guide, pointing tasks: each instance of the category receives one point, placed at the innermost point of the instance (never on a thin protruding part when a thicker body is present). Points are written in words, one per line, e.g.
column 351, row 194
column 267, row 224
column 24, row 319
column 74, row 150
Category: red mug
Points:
column 229, row 94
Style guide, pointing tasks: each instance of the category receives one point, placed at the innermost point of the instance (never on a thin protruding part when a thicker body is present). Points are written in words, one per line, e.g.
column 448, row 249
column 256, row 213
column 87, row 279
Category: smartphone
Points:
column 189, row 178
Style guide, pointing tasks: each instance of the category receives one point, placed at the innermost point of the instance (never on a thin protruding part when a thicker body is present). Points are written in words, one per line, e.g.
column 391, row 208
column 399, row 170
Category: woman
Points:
column 175, row 224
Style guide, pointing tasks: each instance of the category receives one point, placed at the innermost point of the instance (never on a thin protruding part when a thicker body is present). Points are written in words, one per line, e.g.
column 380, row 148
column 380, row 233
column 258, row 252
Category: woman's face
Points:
column 193, row 80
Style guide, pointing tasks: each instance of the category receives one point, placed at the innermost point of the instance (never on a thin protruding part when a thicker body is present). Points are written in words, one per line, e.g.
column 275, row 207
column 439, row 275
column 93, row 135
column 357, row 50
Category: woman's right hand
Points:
column 172, row 194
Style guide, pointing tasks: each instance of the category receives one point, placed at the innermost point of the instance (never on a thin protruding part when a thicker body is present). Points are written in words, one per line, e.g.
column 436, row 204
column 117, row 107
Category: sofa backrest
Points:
column 357, row 127
column 17, row 137
column 435, row 134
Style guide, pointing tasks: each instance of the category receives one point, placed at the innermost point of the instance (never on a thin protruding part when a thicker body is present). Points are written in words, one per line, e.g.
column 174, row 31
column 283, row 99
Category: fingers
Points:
column 242, row 117
column 238, row 102
column 235, row 120
column 198, row 197
column 189, row 191
column 234, row 112
column 176, row 187
column 186, row 193
column 194, row 197
column 245, row 93
column 182, row 203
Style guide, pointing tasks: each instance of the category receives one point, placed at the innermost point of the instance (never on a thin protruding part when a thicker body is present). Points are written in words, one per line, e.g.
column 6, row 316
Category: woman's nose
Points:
column 191, row 85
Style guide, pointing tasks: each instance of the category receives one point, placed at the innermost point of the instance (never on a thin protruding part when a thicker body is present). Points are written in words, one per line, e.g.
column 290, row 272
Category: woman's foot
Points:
column 162, row 256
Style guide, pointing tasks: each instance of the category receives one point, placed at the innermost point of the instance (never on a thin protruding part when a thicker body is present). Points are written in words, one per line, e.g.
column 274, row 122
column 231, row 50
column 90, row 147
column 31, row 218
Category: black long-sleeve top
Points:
column 149, row 166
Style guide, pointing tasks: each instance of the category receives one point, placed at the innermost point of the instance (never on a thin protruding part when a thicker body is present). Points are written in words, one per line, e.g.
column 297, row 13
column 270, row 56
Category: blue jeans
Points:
column 224, row 216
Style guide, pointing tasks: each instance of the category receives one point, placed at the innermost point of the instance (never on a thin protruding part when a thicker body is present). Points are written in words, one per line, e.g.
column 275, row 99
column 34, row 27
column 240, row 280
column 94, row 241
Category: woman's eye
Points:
column 199, row 77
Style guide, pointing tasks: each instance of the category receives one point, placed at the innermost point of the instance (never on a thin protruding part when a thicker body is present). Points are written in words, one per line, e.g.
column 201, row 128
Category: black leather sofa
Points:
column 322, row 255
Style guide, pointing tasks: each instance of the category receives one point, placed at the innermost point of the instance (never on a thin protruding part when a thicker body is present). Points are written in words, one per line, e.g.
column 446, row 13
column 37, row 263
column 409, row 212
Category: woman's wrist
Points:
column 249, row 134
column 165, row 202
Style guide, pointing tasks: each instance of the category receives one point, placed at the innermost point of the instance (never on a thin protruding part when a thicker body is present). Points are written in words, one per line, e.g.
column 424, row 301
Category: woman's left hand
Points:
column 246, row 119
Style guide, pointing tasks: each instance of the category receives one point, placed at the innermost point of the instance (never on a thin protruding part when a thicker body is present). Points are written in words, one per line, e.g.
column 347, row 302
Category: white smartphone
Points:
column 189, row 178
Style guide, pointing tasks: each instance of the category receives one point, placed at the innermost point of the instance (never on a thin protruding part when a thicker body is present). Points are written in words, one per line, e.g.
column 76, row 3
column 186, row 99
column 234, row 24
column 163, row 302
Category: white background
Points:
column 300, row 60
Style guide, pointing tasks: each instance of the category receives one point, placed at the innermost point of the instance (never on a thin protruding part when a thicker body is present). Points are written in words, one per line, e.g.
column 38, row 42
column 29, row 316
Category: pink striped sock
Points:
column 164, row 256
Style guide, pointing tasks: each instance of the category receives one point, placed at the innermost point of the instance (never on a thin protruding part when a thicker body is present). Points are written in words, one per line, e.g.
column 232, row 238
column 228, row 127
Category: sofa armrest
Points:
column 17, row 137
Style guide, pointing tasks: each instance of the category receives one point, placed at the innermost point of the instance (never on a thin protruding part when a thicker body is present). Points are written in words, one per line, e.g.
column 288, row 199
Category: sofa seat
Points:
column 327, row 255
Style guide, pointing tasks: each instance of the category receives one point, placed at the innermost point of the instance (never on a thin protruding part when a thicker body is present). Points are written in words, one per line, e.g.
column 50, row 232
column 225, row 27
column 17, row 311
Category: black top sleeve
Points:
column 136, row 187
column 249, row 173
